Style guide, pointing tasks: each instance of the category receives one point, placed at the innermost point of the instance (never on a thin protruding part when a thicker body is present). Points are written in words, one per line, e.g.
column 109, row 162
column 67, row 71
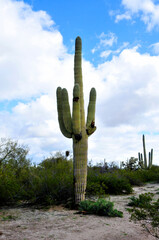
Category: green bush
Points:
column 143, row 200
column 55, row 181
column 145, row 208
column 134, row 177
column 141, row 176
column 102, row 207
column 107, row 183
column 51, row 181
column 13, row 164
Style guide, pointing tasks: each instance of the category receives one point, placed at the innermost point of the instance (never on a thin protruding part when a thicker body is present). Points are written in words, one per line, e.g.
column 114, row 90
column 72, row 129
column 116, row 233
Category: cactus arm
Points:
column 76, row 119
column 141, row 161
column 144, row 151
column 151, row 157
column 90, row 128
column 149, row 160
column 60, row 113
column 66, row 111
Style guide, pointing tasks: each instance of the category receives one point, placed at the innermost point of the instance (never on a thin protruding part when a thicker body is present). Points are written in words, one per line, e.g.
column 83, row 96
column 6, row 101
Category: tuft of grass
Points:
column 101, row 207
column 8, row 218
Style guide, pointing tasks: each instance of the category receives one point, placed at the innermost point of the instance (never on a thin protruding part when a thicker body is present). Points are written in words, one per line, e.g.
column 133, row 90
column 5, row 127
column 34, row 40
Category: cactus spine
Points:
column 75, row 126
column 144, row 163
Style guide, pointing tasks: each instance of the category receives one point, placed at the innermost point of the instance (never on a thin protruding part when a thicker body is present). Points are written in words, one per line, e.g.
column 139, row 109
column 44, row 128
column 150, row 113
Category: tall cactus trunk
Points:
column 144, row 151
column 80, row 148
column 75, row 127
column 80, row 168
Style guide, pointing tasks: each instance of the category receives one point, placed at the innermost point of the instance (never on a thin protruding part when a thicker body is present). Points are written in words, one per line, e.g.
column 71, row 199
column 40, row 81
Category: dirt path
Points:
column 61, row 224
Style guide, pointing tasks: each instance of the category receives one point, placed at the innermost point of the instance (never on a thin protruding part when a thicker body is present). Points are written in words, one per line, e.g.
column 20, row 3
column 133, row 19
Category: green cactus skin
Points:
column 149, row 160
column 140, row 158
column 144, row 163
column 75, row 127
column 151, row 157
column 60, row 114
column 144, row 151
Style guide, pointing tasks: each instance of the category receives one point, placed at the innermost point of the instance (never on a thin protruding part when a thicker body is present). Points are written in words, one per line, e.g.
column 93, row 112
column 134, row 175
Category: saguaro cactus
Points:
column 144, row 164
column 75, row 126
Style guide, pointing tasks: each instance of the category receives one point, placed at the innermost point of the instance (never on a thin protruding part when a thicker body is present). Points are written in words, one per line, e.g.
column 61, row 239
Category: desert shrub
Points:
column 142, row 201
column 55, row 183
column 101, row 207
column 131, row 164
column 107, row 183
column 117, row 184
column 96, row 188
column 135, row 178
column 145, row 208
column 8, row 186
column 49, row 182
column 13, row 164
column 141, row 176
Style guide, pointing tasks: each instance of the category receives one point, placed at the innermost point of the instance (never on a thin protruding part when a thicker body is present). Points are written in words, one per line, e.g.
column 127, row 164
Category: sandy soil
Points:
column 59, row 223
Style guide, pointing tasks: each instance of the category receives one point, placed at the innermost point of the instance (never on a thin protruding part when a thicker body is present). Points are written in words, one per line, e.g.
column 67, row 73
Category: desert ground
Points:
column 57, row 223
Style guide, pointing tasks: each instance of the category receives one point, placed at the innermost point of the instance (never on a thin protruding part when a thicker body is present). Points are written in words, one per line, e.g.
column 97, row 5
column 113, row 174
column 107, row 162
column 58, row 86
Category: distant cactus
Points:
column 75, row 126
column 143, row 162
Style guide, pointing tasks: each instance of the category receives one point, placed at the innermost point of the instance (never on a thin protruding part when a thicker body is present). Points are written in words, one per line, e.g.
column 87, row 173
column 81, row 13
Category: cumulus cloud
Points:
column 107, row 53
column 105, row 40
column 130, row 88
column 125, row 15
column 32, row 49
column 147, row 10
column 34, row 61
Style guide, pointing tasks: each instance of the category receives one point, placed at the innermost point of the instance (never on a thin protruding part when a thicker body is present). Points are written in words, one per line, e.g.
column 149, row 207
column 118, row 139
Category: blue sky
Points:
column 90, row 18
column 120, row 58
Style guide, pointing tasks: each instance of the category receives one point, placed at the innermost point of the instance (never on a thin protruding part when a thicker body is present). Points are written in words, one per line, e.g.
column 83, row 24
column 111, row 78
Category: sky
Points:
column 120, row 49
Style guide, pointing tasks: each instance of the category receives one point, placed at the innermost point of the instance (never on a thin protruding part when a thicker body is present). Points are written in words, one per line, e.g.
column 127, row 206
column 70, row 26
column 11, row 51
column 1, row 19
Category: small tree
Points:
column 130, row 164
column 14, row 170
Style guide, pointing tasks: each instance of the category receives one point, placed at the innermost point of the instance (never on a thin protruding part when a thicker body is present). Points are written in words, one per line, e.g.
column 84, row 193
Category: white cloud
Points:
column 106, row 40
column 155, row 48
column 34, row 61
column 125, row 15
column 131, row 79
column 136, row 5
column 147, row 10
column 128, row 104
column 106, row 53
column 32, row 49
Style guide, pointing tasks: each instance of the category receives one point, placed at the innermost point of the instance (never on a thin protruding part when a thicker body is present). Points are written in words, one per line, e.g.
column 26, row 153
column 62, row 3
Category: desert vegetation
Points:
column 146, row 209
column 51, row 181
